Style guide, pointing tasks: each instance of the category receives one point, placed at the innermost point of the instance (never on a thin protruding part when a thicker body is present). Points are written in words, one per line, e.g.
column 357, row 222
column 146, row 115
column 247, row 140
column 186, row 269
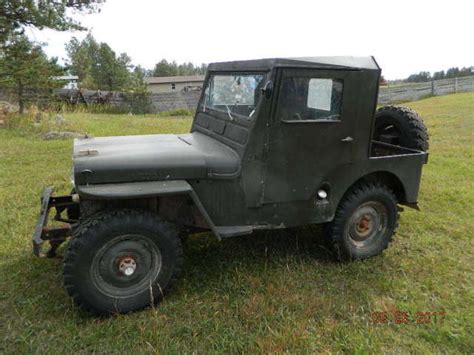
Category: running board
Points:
column 233, row 231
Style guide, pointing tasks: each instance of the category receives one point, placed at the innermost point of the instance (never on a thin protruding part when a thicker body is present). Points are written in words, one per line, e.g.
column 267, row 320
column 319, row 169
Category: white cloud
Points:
column 404, row 36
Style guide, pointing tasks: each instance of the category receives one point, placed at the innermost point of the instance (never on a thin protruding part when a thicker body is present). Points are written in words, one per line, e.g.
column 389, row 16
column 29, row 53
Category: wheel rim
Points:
column 368, row 222
column 388, row 133
column 126, row 265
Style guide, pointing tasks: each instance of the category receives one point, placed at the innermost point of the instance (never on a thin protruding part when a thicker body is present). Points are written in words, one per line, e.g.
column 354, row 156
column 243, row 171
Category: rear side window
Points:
column 313, row 99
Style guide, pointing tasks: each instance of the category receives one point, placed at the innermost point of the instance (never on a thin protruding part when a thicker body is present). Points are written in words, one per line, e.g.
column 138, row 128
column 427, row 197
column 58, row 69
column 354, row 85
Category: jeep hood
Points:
column 152, row 157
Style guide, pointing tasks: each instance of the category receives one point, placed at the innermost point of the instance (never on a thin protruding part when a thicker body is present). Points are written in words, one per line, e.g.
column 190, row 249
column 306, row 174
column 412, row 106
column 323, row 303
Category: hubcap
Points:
column 367, row 222
column 126, row 265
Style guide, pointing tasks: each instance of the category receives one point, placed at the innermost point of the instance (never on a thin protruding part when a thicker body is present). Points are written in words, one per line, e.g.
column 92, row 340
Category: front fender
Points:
column 135, row 190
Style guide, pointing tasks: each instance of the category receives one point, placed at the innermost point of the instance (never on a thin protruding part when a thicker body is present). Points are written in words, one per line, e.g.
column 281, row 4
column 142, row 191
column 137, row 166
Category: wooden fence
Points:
column 417, row 91
column 387, row 94
column 189, row 100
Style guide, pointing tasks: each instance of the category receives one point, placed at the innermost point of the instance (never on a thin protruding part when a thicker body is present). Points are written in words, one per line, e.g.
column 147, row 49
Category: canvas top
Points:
column 338, row 62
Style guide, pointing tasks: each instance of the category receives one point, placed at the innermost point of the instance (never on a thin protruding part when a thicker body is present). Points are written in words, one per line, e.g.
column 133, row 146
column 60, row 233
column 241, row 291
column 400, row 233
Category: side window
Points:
column 304, row 98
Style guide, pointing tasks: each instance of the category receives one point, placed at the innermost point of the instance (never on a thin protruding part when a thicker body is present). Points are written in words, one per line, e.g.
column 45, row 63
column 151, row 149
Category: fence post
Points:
column 455, row 85
column 433, row 88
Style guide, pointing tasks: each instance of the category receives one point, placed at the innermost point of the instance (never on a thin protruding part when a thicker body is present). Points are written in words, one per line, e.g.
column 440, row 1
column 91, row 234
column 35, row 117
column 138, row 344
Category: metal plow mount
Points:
column 57, row 234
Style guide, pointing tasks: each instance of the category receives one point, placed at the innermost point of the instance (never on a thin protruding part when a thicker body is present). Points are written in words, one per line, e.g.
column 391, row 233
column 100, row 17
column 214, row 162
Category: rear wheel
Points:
column 364, row 223
column 401, row 126
column 122, row 261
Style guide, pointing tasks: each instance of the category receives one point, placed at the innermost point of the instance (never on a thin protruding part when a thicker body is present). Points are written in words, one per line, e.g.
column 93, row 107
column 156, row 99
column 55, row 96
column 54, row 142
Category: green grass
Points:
column 275, row 291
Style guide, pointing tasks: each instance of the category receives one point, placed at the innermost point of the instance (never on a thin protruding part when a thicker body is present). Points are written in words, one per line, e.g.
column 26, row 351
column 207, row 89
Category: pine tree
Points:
column 26, row 69
column 15, row 15
column 97, row 65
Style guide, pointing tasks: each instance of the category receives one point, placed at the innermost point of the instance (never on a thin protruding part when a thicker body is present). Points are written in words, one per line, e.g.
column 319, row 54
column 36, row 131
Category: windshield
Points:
column 233, row 94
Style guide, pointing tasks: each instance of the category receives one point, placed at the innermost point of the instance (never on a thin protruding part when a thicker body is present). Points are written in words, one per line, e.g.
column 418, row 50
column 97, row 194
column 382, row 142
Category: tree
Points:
column 23, row 64
column 450, row 73
column 108, row 71
column 137, row 97
column 26, row 69
column 79, row 54
column 439, row 75
column 466, row 71
column 203, row 69
column 17, row 14
column 165, row 68
column 97, row 65
column 420, row 77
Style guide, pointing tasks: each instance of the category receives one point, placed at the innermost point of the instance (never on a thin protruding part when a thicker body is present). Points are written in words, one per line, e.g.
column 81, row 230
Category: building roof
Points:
column 342, row 62
column 337, row 62
column 174, row 79
column 66, row 77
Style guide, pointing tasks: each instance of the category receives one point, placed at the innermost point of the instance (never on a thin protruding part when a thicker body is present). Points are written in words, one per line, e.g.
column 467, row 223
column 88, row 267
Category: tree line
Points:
column 99, row 67
column 165, row 68
column 24, row 67
column 27, row 71
column 450, row 73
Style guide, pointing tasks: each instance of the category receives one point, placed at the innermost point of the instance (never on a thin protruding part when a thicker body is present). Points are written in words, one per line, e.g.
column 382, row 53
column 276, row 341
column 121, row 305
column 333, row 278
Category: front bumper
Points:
column 54, row 234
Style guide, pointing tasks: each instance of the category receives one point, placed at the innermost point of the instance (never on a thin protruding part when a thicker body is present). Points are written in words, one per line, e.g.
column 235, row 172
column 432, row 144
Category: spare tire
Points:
column 401, row 126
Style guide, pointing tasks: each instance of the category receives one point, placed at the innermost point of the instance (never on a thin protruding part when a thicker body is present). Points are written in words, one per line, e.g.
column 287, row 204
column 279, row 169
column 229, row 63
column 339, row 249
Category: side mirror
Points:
column 267, row 89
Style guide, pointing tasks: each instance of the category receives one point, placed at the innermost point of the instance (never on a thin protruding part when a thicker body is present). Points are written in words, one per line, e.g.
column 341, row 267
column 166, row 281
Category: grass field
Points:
column 269, row 292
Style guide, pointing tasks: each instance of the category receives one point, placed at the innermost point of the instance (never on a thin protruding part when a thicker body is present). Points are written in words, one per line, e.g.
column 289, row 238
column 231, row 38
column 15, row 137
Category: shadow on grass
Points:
column 211, row 267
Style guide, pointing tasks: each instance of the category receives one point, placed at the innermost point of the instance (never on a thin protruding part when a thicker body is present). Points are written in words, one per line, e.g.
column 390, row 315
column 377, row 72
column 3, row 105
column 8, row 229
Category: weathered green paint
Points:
column 262, row 172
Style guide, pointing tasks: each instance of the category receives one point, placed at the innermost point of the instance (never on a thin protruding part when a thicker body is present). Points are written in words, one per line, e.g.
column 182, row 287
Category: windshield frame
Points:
column 223, row 114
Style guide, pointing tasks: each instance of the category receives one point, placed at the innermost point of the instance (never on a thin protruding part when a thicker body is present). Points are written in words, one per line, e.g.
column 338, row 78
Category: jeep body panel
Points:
column 134, row 190
column 125, row 159
column 254, row 173
column 275, row 143
column 284, row 163
column 225, row 201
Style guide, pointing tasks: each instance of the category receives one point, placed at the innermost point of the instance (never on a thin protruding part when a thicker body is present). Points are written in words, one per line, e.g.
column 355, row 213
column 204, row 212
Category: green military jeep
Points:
column 275, row 143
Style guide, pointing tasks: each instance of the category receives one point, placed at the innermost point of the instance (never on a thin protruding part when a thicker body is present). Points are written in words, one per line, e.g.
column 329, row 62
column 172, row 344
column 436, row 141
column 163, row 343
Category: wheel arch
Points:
column 171, row 197
column 384, row 177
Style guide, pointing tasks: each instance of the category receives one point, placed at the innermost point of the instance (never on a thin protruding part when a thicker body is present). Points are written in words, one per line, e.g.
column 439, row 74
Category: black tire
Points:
column 401, row 126
column 102, row 264
column 73, row 212
column 364, row 223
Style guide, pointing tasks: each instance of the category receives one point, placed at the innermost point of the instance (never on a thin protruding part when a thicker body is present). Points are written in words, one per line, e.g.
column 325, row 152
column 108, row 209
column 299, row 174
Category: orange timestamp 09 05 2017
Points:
column 398, row 316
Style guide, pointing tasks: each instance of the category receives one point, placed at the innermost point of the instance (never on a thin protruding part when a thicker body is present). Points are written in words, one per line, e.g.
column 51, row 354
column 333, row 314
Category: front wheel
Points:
column 121, row 261
column 364, row 222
